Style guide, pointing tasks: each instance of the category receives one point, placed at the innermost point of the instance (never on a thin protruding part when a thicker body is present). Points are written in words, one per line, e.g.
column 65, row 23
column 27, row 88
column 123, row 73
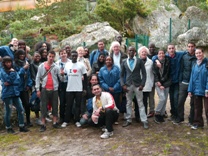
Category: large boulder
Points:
column 90, row 35
column 157, row 26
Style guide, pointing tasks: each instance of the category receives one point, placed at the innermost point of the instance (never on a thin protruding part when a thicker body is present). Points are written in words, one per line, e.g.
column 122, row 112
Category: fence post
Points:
column 170, row 33
column 11, row 35
column 136, row 42
column 127, row 42
column 44, row 38
column 189, row 24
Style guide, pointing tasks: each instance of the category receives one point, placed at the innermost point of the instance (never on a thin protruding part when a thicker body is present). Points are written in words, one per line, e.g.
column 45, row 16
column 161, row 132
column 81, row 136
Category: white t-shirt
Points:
column 74, row 72
column 116, row 59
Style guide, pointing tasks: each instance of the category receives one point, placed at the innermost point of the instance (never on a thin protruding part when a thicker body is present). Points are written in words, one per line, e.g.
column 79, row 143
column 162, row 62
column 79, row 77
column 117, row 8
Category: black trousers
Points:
column 72, row 97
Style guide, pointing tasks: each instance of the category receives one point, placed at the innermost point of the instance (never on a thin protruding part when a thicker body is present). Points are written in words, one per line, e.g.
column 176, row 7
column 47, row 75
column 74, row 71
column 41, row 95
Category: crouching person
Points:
column 48, row 73
column 104, row 110
column 10, row 94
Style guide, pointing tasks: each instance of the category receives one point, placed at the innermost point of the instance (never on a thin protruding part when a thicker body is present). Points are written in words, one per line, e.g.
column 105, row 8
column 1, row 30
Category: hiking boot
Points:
column 10, row 131
column 42, row 128
column 106, row 135
column 157, row 119
column 161, row 118
column 56, row 125
column 23, row 129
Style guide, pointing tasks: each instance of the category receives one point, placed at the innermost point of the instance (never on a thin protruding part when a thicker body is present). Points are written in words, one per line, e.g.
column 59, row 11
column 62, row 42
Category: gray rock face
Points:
column 91, row 34
column 157, row 26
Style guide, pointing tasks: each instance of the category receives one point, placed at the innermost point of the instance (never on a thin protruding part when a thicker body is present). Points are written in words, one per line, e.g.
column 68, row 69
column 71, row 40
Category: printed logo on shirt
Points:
column 73, row 72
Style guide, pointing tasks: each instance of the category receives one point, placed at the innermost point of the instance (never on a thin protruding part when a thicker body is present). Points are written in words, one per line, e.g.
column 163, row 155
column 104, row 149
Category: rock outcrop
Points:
column 157, row 26
column 91, row 34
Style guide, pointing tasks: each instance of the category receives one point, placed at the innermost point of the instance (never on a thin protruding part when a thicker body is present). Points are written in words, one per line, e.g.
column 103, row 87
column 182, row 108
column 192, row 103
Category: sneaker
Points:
column 64, row 124
column 161, row 118
column 145, row 125
column 106, row 135
column 48, row 119
column 38, row 122
column 151, row 114
column 116, row 123
column 56, row 125
column 195, row 127
column 42, row 128
column 78, row 124
column 177, row 121
column 23, row 129
column 126, row 123
column 157, row 119
column 10, row 131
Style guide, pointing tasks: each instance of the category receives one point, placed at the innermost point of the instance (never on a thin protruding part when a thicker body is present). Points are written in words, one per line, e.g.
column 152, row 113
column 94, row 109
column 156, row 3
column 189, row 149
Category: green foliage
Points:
column 118, row 13
column 183, row 5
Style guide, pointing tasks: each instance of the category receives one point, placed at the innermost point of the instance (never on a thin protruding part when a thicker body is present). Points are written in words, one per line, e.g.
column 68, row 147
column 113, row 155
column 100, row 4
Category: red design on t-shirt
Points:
column 74, row 70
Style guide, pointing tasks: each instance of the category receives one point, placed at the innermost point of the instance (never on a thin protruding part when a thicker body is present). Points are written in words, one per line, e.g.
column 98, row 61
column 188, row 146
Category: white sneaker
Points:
column 38, row 122
column 106, row 135
column 78, row 124
column 64, row 124
column 48, row 120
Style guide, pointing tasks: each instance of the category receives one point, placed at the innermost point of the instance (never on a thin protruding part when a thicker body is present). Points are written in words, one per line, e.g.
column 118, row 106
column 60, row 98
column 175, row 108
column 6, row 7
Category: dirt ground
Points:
column 159, row 140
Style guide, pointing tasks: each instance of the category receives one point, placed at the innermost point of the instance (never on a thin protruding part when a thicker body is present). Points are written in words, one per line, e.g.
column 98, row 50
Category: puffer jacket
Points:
column 12, row 89
column 110, row 79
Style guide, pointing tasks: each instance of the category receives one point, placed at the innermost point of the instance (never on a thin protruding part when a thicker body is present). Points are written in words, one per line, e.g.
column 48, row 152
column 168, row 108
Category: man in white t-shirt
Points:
column 75, row 88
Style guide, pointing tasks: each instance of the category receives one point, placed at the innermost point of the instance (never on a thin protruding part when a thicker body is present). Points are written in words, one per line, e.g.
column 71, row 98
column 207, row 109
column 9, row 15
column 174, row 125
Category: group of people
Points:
column 94, row 88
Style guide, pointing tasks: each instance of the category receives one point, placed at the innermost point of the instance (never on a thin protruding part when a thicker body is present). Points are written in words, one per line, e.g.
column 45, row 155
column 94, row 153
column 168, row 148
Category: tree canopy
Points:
column 119, row 12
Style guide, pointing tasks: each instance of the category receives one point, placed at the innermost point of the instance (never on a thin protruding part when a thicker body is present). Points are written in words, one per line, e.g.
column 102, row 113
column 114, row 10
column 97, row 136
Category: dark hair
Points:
column 36, row 52
column 190, row 42
column 41, row 50
column 6, row 59
column 21, row 42
column 96, row 85
column 199, row 48
column 52, row 52
column 111, row 59
column 74, row 51
column 39, row 45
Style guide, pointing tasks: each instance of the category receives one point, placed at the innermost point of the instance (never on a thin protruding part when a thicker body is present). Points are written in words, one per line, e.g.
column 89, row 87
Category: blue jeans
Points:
column 8, row 110
column 174, row 95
